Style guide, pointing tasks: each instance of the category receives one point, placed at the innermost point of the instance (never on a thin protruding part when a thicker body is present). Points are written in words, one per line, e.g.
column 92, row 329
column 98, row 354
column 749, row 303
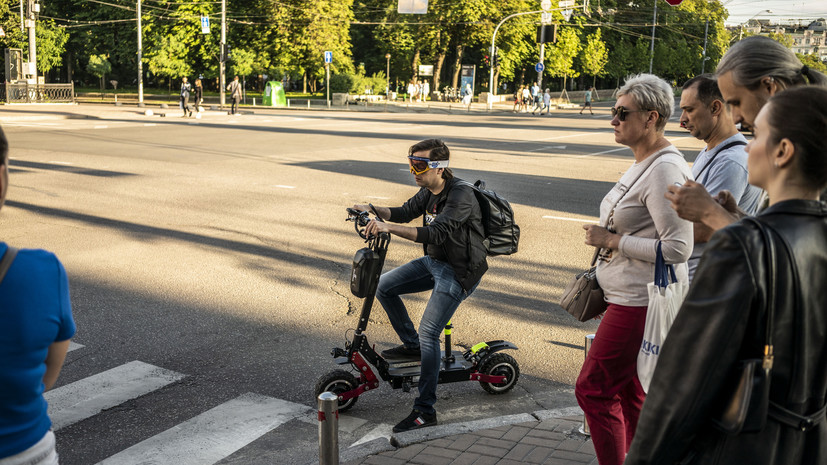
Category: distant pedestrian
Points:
column 235, row 93
column 411, row 91
column 199, row 95
column 526, row 99
column 546, row 103
column 426, row 89
column 587, row 97
column 37, row 325
column 185, row 97
column 467, row 95
column 537, row 98
column 518, row 99
column 535, row 94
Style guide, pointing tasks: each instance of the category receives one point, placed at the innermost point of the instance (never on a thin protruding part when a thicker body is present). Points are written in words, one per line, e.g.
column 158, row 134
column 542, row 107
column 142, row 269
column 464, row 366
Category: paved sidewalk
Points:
column 548, row 441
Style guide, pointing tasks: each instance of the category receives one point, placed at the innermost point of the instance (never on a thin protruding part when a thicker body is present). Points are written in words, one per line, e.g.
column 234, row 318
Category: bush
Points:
column 357, row 83
column 342, row 83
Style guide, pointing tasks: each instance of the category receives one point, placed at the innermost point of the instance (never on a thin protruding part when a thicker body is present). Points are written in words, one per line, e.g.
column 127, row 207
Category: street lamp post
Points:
column 388, row 78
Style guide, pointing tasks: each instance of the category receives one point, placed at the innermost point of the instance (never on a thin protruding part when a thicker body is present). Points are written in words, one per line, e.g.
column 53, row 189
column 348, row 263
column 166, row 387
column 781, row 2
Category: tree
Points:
column 98, row 66
column 168, row 58
column 782, row 38
column 812, row 62
column 560, row 60
column 595, row 56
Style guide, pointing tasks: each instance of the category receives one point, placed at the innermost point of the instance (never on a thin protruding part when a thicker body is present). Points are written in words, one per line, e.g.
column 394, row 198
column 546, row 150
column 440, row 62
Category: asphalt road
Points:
column 214, row 253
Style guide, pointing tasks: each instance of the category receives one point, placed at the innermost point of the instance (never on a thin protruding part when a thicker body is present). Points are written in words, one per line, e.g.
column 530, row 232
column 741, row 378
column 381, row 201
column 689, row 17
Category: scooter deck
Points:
column 412, row 367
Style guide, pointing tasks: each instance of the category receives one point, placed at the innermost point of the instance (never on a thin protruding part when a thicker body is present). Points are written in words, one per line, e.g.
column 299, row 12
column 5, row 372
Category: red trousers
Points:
column 608, row 389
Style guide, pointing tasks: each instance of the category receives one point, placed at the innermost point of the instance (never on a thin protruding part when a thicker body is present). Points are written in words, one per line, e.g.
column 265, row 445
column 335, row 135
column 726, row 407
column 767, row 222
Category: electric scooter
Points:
column 497, row 372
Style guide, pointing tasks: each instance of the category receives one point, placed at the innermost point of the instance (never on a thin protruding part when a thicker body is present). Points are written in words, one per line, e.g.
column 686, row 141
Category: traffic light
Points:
column 226, row 53
column 496, row 61
column 547, row 33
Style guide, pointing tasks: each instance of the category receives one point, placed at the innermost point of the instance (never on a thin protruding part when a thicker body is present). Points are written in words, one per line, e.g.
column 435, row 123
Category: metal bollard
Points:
column 588, row 345
column 328, row 429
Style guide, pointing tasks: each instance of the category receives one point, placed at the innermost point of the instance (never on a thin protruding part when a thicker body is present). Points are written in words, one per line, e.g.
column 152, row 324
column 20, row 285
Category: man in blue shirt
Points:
column 722, row 165
column 36, row 327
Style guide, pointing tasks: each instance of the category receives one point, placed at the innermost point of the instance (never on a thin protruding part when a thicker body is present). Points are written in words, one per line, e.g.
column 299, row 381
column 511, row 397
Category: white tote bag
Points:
column 665, row 299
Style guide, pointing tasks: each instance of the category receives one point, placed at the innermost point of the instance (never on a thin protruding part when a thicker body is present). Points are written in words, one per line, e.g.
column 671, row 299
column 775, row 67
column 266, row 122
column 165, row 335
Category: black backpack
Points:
column 502, row 235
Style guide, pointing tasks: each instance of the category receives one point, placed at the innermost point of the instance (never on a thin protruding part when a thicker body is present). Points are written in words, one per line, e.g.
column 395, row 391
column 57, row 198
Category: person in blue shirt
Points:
column 36, row 327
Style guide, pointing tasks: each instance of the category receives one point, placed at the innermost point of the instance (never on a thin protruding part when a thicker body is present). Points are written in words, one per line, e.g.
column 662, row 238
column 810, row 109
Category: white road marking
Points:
column 213, row 435
column 563, row 218
column 578, row 134
column 150, row 124
column 75, row 346
column 382, row 431
column 378, row 198
column 89, row 396
column 60, row 162
column 100, row 126
column 280, row 186
column 601, row 153
column 561, row 147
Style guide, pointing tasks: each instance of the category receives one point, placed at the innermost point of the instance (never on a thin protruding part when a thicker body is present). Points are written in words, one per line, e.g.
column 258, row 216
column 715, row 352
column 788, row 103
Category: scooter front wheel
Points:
column 338, row 382
column 500, row 364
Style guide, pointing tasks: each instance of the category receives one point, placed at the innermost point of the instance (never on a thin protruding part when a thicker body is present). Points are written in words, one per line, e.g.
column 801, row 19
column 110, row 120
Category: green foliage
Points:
column 595, row 56
column 784, row 39
column 288, row 37
column 168, row 58
column 244, row 62
column 813, row 62
column 342, row 83
column 51, row 43
column 99, row 66
column 358, row 82
column 560, row 59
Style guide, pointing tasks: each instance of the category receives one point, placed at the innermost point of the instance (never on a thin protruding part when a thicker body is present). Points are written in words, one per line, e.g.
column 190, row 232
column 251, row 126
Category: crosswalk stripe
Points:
column 74, row 346
column 87, row 397
column 213, row 435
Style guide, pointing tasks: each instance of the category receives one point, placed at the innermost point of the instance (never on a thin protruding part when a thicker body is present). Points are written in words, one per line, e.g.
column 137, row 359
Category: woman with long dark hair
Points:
column 724, row 317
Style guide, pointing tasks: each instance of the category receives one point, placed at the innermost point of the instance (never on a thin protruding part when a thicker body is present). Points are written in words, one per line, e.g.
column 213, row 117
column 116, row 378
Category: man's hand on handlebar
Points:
column 377, row 226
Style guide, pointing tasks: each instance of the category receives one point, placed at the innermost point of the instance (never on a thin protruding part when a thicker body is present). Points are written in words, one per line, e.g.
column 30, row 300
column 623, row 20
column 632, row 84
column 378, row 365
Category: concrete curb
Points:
column 440, row 431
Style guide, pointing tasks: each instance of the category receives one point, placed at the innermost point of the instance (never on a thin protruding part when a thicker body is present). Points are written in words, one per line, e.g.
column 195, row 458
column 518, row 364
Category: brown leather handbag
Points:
column 583, row 297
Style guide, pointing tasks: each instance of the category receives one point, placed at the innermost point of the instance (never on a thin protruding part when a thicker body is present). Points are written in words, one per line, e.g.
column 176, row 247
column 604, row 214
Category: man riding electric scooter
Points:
column 455, row 260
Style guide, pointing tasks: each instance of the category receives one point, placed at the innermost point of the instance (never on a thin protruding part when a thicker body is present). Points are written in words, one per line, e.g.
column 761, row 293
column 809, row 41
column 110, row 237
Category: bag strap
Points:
column 794, row 420
column 771, row 288
column 5, row 263
column 729, row 145
column 777, row 411
column 617, row 202
column 663, row 271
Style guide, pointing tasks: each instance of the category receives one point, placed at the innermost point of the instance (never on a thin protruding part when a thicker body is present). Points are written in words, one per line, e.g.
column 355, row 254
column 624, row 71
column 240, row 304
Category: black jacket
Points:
column 457, row 228
column 722, row 321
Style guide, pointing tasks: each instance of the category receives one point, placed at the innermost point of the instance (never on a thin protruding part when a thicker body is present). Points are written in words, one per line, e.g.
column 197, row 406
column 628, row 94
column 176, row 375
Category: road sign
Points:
column 328, row 57
column 545, row 5
column 545, row 18
column 539, row 67
column 205, row 25
column 674, row 2
column 570, row 3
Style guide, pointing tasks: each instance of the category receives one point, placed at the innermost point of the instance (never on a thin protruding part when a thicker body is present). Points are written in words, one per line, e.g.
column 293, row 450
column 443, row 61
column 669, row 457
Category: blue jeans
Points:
column 420, row 275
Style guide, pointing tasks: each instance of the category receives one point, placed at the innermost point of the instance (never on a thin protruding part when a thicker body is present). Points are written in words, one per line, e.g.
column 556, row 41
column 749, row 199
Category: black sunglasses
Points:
column 621, row 112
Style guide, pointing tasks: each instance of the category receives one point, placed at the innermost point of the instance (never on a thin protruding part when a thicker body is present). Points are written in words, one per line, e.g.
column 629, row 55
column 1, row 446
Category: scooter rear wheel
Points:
column 500, row 364
column 337, row 382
